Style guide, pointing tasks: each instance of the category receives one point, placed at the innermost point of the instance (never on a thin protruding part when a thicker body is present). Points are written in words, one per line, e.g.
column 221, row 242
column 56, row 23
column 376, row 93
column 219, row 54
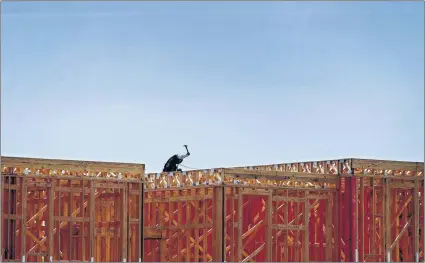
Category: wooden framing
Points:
column 57, row 210
column 338, row 210
column 320, row 211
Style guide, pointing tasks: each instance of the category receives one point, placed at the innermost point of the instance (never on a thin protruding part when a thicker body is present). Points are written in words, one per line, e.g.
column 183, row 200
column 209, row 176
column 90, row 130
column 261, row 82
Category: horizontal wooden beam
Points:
column 387, row 165
column 73, row 178
column 71, row 219
column 177, row 198
column 275, row 175
column 187, row 226
column 73, row 165
column 289, row 227
column 381, row 176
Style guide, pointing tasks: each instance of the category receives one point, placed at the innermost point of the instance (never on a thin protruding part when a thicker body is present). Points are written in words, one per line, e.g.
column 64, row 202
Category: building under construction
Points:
column 350, row 210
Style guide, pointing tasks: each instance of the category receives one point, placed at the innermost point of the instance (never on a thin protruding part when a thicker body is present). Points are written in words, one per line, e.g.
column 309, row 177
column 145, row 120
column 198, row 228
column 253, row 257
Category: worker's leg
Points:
column 170, row 168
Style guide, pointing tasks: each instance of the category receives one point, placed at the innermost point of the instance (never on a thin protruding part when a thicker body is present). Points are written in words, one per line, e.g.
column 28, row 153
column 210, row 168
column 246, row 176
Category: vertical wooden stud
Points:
column 328, row 229
column 92, row 218
column 306, row 241
column 269, row 233
column 51, row 209
column 23, row 221
column 416, row 213
column 239, row 245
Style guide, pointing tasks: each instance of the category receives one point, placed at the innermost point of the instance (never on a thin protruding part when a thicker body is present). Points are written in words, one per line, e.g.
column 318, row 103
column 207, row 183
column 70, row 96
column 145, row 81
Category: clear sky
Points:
column 241, row 83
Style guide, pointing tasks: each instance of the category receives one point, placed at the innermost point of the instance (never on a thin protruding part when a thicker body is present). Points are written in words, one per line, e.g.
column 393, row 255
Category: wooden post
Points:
column 223, row 220
column 179, row 219
column 297, row 232
column 269, row 233
column 92, row 217
column 58, row 227
column 11, row 212
column 387, row 216
column 355, row 203
column 337, row 216
column 352, row 198
column 396, row 223
column 373, row 228
column 416, row 213
column 83, row 241
column 362, row 220
column 6, row 210
column 349, row 215
column 218, row 224
column 381, row 207
column 204, row 231
column 188, row 231
column 306, row 241
column 162, row 244
column 328, row 229
column 70, row 222
column 233, row 248
column 124, row 223
column 286, row 222
column 23, row 221
column 110, row 251
column 142, row 222
column 239, row 244
column 1, row 216
column 51, row 209
column 196, row 227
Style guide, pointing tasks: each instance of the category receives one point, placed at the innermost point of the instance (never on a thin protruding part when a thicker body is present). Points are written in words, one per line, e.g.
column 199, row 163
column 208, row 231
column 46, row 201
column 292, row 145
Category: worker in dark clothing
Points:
column 172, row 164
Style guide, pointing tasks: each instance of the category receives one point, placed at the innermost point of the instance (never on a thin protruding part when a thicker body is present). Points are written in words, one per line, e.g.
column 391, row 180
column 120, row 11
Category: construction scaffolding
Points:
column 342, row 210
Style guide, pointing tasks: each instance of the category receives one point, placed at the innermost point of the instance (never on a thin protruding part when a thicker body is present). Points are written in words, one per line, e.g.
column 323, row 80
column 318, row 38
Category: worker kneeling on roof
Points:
column 172, row 164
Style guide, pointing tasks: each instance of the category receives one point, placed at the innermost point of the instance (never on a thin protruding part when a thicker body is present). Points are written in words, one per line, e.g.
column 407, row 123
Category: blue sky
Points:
column 242, row 83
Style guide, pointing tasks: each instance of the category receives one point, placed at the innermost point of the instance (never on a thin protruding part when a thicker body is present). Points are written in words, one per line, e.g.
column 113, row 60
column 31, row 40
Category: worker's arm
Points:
column 181, row 157
column 187, row 151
